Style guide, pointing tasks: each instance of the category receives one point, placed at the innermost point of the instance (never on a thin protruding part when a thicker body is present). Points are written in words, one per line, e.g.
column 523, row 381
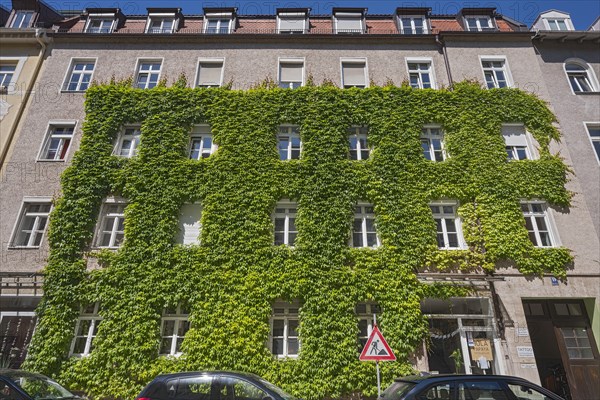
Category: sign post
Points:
column 376, row 349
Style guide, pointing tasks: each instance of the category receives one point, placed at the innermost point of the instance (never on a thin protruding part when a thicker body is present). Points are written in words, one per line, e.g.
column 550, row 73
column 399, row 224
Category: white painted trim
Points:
column 56, row 122
column 552, row 227
column 161, row 16
column 590, row 74
column 103, row 16
column 349, row 16
column 214, row 60
column 69, row 72
column 12, row 85
column 509, row 79
column 29, row 199
column 138, row 62
column 292, row 60
column 427, row 60
column 299, row 15
column 532, row 145
column 462, row 244
column 412, row 16
column 355, row 60
column 585, row 126
column 100, row 220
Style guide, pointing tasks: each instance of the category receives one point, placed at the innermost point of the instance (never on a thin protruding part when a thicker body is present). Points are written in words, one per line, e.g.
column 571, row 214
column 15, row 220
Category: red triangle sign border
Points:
column 387, row 357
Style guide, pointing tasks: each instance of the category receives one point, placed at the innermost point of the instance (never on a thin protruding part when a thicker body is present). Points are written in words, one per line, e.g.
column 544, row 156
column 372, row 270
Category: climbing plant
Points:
column 232, row 278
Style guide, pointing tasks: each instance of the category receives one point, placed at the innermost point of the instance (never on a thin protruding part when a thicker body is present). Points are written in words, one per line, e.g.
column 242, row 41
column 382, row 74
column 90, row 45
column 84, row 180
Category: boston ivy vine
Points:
column 232, row 279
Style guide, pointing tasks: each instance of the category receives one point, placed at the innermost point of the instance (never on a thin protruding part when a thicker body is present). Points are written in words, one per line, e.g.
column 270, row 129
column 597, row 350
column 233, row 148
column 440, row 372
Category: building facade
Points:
column 507, row 313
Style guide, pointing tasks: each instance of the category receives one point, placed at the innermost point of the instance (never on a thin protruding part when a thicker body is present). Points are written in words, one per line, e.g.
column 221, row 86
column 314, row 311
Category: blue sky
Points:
column 583, row 12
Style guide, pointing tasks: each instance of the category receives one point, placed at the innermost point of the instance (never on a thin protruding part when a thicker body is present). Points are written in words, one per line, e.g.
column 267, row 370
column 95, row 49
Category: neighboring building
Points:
column 351, row 49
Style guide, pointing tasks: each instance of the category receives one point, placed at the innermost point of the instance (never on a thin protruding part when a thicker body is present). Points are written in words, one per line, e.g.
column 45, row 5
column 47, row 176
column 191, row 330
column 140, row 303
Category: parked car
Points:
column 465, row 387
column 212, row 385
column 22, row 385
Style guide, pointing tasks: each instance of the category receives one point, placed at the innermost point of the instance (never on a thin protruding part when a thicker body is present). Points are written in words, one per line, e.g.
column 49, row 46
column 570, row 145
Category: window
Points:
column 201, row 142
column 128, row 142
column 412, row 25
column 32, row 223
column 291, row 22
column 364, row 313
column 440, row 391
column 111, row 229
column 481, row 390
column 80, row 75
column 354, row 73
column 57, row 143
column 348, row 22
column 217, row 25
column 148, row 74
column 524, row 391
column 449, row 235
column 420, row 75
column 359, row 147
column 537, row 223
column 284, row 330
column 189, row 224
column 158, row 24
column 289, row 143
column 363, row 228
column 86, row 330
column 594, row 133
column 174, row 326
column 285, row 223
column 7, row 71
column 22, row 19
column 479, row 23
column 291, row 73
column 100, row 25
column 432, row 142
column 495, row 73
column 581, row 77
column 557, row 24
column 517, row 142
column 210, row 73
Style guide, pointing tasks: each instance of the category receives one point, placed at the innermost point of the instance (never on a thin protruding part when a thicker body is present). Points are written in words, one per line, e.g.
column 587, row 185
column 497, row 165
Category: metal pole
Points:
column 377, row 362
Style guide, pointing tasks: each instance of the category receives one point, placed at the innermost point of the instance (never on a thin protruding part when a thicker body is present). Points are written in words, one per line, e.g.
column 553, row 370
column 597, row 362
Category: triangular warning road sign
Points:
column 377, row 348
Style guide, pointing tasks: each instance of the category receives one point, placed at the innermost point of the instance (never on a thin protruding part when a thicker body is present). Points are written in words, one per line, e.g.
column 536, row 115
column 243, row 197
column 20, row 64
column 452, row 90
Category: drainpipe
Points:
column 40, row 36
column 446, row 62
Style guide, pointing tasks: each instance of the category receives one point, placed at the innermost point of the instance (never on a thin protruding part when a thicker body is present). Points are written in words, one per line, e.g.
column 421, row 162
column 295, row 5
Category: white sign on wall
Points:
column 525, row 351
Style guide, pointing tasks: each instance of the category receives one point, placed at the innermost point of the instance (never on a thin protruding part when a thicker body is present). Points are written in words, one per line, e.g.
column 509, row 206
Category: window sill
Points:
column 13, row 247
column 73, row 91
column 586, row 93
column 50, row 161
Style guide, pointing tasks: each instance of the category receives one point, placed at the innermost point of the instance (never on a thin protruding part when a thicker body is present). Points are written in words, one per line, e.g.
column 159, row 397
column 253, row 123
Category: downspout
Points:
column 446, row 62
column 40, row 36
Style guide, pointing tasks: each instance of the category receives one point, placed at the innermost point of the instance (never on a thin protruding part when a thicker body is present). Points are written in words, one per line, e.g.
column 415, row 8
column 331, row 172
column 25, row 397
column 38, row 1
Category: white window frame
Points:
column 293, row 16
column 71, row 70
column 291, row 60
column 530, row 143
column 288, row 131
column 202, row 131
column 220, row 19
column 181, row 233
column 215, row 60
column 555, row 20
column 102, row 17
column 179, row 318
column 20, row 25
column 428, row 136
column 114, row 230
column 457, row 223
column 18, row 62
column 489, row 27
column 505, row 69
column 286, row 317
column 285, row 215
column 587, row 125
column 359, row 132
column 344, row 60
column 429, row 61
column 370, row 309
column 349, row 15
column 138, row 71
column 122, row 136
column 95, row 320
column 50, row 133
column 413, row 26
column 23, row 213
column 162, row 17
column 548, row 219
column 590, row 75
column 364, row 216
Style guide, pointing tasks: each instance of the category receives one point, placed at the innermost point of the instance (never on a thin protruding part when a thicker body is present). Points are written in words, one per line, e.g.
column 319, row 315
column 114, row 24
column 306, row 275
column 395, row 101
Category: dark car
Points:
column 465, row 387
column 22, row 385
column 212, row 385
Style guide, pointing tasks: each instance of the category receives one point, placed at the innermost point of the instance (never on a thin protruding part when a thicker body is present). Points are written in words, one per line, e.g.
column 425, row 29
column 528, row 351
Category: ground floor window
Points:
column 284, row 340
column 16, row 329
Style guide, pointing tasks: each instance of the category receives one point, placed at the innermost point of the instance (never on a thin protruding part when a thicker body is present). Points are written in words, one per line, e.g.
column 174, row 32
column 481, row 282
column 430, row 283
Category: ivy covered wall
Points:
column 232, row 279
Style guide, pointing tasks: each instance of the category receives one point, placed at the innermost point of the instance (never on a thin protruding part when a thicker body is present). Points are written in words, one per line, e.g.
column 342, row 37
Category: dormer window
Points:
column 292, row 21
column 219, row 20
column 217, row 25
column 557, row 24
column 412, row 25
column 479, row 23
column 104, row 22
column 22, row 19
column 158, row 24
column 349, row 21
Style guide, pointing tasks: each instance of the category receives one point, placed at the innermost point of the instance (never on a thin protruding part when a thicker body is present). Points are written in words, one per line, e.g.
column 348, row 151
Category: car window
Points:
column 238, row 389
column 437, row 392
column 481, row 390
column 189, row 388
column 8, row 393
column 396, row 390
column 40, row 387
column 526, row 392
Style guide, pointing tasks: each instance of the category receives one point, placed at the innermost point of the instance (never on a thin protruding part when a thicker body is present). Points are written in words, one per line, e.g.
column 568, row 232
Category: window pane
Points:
column 292, row 346
column 293, row 327
column 278, row 346
column 278, row 327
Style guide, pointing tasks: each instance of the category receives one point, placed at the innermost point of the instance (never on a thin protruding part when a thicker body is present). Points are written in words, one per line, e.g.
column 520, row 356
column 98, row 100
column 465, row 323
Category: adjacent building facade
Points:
column 539, row 328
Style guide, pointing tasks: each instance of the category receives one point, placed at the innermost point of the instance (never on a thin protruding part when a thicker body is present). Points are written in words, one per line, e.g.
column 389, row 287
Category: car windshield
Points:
column 397, row 390
column 277, row 390
column 40, row 387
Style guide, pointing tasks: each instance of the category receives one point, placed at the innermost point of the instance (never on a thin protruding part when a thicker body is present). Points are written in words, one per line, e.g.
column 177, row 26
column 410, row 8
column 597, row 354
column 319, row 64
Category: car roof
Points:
column 247, row 375
column 11, row 373
column 445, row 377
